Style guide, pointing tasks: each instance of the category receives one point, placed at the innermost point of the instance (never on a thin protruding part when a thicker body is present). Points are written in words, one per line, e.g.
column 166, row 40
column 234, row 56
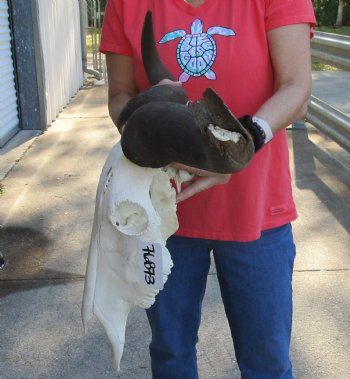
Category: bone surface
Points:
column 223, row 134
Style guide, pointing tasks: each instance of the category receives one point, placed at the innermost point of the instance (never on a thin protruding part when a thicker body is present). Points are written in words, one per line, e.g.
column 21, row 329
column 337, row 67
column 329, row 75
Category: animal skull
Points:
column 132, row 203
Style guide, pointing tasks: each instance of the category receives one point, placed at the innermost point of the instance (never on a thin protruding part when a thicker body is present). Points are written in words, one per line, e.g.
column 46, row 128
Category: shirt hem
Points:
column 236, row 237
column 115, row 49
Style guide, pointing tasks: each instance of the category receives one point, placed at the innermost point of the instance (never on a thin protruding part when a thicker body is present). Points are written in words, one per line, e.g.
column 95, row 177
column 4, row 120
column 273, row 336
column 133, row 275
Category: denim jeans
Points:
column 256, row 288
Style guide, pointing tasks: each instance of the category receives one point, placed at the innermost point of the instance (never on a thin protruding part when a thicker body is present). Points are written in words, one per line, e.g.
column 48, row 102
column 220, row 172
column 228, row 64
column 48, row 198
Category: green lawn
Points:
column 344, row 30
column 318, row 66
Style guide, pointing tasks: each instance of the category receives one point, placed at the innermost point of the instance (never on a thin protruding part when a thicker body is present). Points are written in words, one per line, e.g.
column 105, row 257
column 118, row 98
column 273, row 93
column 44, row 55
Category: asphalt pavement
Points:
column 48, row 185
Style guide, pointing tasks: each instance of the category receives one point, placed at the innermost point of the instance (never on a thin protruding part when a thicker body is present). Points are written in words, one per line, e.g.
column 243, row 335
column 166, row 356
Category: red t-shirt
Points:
column 236, row 65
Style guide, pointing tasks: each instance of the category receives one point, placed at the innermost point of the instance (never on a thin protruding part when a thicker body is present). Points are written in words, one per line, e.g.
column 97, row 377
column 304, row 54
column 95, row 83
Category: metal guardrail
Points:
column 332, row 49
column 332, row 122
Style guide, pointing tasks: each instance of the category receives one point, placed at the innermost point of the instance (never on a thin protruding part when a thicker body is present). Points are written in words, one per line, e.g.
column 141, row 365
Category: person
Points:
column 256, row 56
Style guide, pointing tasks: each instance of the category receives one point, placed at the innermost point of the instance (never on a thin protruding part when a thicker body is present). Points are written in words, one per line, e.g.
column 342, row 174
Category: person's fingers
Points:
column 200, row 185
column 196, row 171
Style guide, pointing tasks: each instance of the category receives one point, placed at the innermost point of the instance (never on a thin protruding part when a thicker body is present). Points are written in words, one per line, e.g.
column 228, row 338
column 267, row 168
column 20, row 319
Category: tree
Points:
column 340, row 13
column 103, row 5
column 327, row 12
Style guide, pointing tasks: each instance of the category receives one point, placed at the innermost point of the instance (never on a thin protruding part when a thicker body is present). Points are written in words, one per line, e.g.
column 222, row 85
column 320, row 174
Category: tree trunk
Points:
column 340, row 13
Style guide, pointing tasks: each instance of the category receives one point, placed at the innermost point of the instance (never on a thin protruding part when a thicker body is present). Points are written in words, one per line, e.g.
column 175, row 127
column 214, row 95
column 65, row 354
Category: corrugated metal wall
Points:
column 8, row 99
column 59, row 22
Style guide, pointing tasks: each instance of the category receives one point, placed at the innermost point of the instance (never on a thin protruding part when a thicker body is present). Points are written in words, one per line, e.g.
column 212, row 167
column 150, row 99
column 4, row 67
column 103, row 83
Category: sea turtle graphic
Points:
column 196, row 52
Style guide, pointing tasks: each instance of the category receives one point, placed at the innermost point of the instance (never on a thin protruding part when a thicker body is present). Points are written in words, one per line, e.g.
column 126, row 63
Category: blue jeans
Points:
column 256, row 288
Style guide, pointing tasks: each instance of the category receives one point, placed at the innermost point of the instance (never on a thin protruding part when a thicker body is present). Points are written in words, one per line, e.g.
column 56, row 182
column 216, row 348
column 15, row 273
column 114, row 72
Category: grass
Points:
column 318, row 66
column 2, row 189
column 343, row 30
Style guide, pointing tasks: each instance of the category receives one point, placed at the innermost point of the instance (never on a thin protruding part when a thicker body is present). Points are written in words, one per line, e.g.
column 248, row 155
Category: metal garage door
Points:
column 8, row 98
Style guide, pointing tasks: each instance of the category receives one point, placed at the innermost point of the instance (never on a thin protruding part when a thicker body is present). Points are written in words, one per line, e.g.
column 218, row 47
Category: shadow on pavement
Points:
column 25, row 252
column 317, row 171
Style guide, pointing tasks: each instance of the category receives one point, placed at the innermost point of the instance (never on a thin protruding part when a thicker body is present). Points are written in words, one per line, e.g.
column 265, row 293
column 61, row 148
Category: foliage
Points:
column 92, row 40
column 103, row 5
column 326, row 12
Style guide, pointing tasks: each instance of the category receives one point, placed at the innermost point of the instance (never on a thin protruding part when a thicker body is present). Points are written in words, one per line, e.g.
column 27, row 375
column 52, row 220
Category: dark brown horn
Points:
column 158, row 93
column 160, row 133
column 154, row 67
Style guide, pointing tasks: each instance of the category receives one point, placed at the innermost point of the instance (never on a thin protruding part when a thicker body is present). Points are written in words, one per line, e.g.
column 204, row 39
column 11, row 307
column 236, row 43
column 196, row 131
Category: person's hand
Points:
column 203, row 180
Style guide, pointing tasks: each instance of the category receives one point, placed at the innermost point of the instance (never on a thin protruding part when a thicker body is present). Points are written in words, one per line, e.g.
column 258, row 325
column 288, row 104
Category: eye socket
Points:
column 130, row 218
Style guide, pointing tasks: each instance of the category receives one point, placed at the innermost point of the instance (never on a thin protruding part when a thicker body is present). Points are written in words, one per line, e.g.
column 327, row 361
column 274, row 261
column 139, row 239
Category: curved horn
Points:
column 154, row 67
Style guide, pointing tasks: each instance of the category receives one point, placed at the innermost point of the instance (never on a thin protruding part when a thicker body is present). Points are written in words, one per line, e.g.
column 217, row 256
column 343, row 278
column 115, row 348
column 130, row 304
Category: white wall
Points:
column 59, row 23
